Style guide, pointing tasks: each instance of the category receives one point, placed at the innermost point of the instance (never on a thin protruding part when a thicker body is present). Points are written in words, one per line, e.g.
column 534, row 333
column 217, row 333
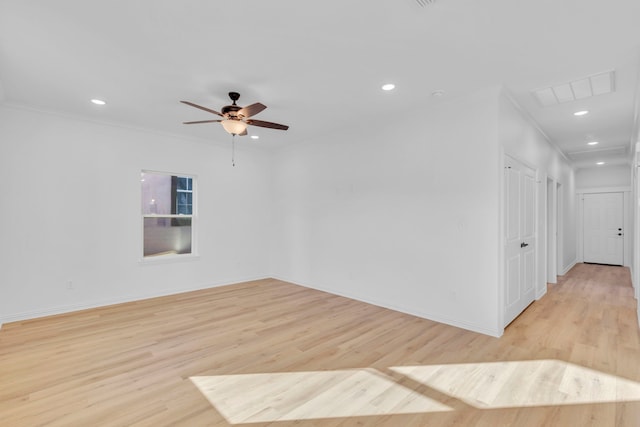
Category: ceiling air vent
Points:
column 424, row 3
column 597, row 84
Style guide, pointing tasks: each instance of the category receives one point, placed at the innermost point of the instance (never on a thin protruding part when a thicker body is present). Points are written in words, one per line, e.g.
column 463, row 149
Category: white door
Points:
column 603, row 240
column 520, row 238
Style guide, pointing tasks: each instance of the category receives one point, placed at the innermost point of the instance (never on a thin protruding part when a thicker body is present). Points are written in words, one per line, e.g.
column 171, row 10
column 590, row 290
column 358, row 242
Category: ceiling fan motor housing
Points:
column 231, row 110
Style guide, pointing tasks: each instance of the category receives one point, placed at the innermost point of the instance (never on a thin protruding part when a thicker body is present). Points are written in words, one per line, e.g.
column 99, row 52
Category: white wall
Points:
column 523, row 141
column 614, row 176
column 71, row 211
column 402, row 213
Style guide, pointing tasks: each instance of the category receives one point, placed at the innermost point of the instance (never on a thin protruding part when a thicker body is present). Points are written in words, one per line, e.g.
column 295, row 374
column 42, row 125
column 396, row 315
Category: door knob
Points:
column 619, row 234
column 619, row 229
column 524, row 245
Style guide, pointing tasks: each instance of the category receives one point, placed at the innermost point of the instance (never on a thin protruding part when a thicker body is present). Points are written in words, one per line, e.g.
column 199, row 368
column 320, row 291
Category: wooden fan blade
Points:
column 202, row 108
column 201, row 121
column 252, row 110
column 267, row 124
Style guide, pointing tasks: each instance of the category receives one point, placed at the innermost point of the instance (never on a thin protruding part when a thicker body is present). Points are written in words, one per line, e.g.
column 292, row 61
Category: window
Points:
column 168, row 219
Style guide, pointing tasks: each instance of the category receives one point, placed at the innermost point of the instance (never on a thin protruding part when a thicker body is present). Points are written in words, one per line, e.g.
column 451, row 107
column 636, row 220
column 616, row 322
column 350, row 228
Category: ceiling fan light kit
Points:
column 235, row 127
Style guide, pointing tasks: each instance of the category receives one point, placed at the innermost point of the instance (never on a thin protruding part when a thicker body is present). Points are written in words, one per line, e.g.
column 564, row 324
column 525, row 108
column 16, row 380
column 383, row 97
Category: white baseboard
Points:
column 429, row 316
column 68, row 308
column 566, row 270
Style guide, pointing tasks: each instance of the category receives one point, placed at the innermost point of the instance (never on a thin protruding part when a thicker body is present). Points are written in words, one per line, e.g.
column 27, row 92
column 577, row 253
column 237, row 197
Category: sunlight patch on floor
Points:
column 272, row 397
column 523, row 383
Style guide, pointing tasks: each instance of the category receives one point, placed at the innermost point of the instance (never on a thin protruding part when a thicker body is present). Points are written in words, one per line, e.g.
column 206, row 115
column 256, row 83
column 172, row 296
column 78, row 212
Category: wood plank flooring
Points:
column 272, row 353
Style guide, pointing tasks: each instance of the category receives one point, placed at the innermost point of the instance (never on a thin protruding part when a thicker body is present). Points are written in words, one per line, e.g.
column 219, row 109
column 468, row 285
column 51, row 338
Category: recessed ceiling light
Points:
column 592, row 143
column 600, row 163
column 255, row 137
column 580, row 113
column 388, row 86
column 98, row 101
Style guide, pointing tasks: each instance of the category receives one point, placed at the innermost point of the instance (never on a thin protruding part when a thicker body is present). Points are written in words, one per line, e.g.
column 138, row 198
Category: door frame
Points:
column 626, row 219
column 552, row 221
column 562, row 270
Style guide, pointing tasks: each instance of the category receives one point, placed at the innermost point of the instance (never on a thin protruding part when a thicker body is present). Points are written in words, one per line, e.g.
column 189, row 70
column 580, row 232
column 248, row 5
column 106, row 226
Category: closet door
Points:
column 520, row 238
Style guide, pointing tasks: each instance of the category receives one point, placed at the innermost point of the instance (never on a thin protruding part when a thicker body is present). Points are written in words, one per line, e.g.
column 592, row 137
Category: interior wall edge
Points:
column 69, row 308
column 497, row 333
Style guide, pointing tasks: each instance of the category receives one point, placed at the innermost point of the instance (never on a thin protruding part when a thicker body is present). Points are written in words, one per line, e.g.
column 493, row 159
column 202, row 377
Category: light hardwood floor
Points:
column 271, row 353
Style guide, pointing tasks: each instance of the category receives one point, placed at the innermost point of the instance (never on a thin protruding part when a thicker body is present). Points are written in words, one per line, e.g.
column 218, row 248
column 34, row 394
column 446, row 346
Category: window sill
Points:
column 166, row 259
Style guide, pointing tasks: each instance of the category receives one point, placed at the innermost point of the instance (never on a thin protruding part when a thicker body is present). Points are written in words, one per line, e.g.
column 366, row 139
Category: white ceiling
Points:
column 318, row 66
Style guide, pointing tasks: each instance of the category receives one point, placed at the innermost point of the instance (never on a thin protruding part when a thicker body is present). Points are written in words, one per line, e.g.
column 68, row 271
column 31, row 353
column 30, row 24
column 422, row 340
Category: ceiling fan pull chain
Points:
column 233, row 150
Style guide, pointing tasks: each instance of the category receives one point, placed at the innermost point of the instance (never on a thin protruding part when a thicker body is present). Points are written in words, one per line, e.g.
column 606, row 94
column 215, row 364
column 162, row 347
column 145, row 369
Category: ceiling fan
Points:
column 236, row 118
